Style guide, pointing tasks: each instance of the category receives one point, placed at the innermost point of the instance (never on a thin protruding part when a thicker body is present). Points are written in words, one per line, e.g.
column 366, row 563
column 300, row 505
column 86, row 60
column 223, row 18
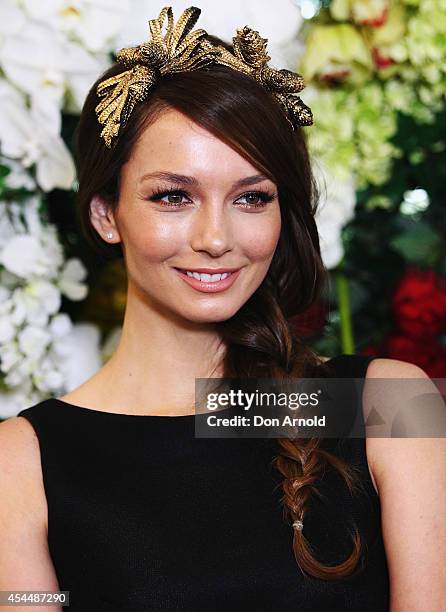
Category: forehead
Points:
column 174, row 142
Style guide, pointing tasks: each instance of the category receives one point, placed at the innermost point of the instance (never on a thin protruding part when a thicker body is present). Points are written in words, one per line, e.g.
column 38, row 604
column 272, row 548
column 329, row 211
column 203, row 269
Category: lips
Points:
column 208, row 270
column 209, row 286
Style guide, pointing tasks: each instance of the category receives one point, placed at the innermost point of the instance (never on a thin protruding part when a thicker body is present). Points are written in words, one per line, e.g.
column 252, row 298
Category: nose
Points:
column 211, row 229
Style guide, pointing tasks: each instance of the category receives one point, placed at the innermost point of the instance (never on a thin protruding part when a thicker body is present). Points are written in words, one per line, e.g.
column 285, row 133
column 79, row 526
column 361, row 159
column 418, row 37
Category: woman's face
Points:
column 221, row 215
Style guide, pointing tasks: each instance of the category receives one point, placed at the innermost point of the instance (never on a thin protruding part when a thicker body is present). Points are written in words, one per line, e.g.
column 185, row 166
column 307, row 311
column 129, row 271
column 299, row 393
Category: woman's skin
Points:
column 169, row 336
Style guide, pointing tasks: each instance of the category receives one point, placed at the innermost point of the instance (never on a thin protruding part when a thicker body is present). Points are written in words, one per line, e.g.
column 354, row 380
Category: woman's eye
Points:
column 253, row 198
column 174, row 198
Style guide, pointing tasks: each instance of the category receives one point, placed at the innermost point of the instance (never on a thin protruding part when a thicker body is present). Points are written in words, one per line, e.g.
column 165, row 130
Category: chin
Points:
column 212, row 315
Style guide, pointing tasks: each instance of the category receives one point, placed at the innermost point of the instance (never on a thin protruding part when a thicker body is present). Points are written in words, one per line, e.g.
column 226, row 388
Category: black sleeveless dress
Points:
column 143, row 516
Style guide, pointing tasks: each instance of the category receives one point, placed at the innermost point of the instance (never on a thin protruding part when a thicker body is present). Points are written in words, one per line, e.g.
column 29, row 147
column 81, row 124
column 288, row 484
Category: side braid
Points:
column 301, row 461
column 261, row 343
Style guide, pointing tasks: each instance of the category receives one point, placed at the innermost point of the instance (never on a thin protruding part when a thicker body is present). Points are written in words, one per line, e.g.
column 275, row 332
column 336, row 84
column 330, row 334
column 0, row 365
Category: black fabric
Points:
column 144, row 516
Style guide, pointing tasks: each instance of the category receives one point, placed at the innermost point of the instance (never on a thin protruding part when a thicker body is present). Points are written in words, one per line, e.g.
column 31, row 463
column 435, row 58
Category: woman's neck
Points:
column 154, row 367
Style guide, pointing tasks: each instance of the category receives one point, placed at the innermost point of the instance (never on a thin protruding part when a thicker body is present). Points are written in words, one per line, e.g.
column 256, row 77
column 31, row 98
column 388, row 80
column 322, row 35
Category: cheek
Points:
column 259, row 239
column 153, row 240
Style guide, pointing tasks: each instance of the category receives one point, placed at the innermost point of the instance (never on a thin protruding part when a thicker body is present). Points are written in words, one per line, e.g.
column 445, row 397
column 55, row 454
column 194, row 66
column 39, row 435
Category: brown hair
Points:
column 259, row 338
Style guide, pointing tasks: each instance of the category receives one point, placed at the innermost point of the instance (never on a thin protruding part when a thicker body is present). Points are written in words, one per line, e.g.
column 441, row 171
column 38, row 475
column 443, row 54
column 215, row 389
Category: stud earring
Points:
column 110, row 235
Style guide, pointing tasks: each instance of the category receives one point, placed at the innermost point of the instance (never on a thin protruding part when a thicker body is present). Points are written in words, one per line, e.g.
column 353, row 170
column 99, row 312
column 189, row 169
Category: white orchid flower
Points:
column 336, row 208
column 44, row 63
column 33, row 341
column 93, row 23
column 78, row 354
column 60, row 325
column 25, row 256
column 7, row 330
column 21, row 372
column 70, row 280
column 36, row 301
column 47, row 377
column 32, row 135
column 10, row 355
column 12, row 18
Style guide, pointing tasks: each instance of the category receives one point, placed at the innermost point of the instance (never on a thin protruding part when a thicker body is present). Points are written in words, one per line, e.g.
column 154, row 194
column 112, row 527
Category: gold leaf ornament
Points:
column 251, row 57
column 121, row 93
column 181, row 49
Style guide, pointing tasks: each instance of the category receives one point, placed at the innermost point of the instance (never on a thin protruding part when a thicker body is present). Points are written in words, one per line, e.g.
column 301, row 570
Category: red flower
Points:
column 419, row 304
column 381, row 61
column 310, row 322
column 430, row 356
column 377, row 21
column 372, row 351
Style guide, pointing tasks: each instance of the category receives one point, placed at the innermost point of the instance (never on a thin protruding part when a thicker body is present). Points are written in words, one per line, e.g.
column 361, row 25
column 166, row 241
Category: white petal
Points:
column 74, row 270
column 336, row 208
column 11, row 17
column 5, row 294
column 90, row 26
column 9, row 356
column 19, row 310
column 45, row 10
column 81, row 78
column 69, row 280
column 33, row 341
column 45, row 295
column 60, row 325
column 7, row 329
column 47, row 376
column 81, row 353
column 30, row 211
column 16, row 129
column 14, row 377
column 21, row 255
column 27, row 56
column 56, row 167
column 73, row 291
column 45, row 112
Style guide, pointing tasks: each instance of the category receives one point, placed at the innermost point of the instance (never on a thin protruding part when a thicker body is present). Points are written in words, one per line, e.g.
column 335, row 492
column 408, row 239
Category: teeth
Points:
column 207, row 278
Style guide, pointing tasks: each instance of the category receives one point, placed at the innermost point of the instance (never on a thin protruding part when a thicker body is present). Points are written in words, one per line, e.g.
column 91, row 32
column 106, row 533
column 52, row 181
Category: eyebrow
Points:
column 191, row 180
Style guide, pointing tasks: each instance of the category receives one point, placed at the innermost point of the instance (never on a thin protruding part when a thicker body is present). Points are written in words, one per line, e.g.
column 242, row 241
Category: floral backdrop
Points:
column 376, row 83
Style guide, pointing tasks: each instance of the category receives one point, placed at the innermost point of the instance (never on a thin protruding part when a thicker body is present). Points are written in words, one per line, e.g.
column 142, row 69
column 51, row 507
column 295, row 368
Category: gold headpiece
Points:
column 181, row 50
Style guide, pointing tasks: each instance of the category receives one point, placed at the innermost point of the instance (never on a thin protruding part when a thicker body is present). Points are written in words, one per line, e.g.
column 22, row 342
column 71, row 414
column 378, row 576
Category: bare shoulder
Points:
column 410, row 473
column 378, row 438
column 25, row 559
column 19, row 445
column 21, row 472
column 381, row 367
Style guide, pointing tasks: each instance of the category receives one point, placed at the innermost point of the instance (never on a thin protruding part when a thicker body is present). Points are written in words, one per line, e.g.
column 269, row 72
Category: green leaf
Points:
column 4, row 171
column 419, row 245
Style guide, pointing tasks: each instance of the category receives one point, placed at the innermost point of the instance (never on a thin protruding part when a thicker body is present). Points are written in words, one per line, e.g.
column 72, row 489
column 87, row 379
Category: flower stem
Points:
column 345, row 317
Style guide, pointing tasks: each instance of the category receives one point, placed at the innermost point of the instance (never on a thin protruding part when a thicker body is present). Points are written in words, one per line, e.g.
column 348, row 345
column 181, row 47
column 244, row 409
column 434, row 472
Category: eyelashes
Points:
column 264, row 196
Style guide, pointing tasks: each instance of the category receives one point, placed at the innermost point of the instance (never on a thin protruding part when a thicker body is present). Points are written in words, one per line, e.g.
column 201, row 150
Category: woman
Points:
column 202, row 172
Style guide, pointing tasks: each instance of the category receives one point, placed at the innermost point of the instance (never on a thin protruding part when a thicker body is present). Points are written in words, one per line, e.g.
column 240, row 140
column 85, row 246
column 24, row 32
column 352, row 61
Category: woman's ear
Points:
column 103, row 220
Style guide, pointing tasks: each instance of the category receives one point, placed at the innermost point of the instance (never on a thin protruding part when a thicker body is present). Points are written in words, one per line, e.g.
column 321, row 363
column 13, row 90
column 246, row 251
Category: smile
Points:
column 207, row 280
